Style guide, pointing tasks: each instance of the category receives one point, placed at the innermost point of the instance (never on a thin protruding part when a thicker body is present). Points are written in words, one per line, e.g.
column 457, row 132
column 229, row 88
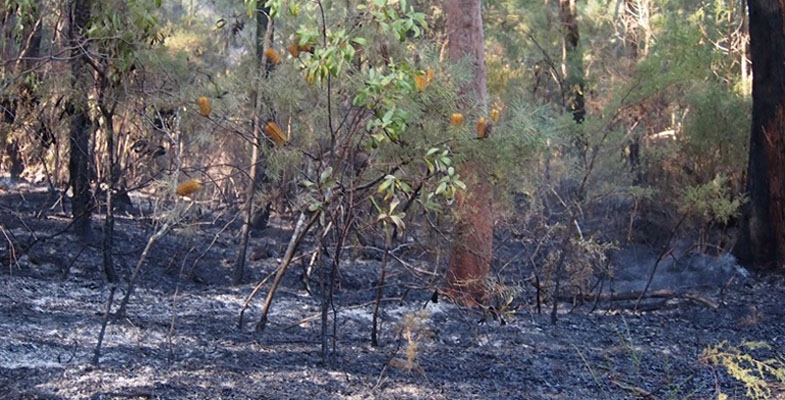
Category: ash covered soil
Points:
column 181, row 340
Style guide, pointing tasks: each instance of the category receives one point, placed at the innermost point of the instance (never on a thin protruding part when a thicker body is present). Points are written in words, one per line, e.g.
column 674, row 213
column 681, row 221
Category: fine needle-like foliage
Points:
column 741, row 363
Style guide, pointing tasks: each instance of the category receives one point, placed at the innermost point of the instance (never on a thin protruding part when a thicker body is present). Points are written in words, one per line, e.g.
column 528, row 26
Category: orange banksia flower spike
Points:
column 274, row 132
column 272, row 56
column 484, row 127
column 495, row 114
column 294, row 50
column 189, row 187
column 419, row 80
column 423, row 79
column 456, row 119
column 204, row 106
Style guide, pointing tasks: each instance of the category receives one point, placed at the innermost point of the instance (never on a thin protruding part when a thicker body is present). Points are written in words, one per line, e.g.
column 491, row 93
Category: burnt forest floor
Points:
column 181, row 340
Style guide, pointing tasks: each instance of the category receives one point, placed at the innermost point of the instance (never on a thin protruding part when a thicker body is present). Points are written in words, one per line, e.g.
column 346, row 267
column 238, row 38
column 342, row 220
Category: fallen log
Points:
column 635, row 295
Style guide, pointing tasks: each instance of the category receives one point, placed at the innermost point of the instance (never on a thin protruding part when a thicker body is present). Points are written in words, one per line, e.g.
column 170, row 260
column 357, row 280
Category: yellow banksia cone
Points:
column 495, row 115
column 189, row 187
column 423, row 79
column 273, row 56
column 274, row 132
column 456, row 119
column 419, row 80
column 204, row 106
column 484, row 126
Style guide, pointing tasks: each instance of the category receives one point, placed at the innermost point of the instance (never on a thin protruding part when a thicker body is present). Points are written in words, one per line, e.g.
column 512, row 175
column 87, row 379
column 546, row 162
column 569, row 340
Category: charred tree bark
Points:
column 81, row 125
column 762, row 239
column 573, row 61
column 263, row 36
column 472, row 247
column 632, row 43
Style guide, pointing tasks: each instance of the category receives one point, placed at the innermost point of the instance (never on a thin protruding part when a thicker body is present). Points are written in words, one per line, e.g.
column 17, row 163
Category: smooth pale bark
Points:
column 472, row 247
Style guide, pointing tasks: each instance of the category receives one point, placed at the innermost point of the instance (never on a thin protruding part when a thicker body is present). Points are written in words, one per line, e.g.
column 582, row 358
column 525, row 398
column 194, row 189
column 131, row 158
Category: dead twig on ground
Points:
column 634, row 389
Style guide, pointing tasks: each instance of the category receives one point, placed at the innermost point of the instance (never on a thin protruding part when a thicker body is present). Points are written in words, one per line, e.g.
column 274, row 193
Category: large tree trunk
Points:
column 472, row 247
column 81, row 125
column 762, row 239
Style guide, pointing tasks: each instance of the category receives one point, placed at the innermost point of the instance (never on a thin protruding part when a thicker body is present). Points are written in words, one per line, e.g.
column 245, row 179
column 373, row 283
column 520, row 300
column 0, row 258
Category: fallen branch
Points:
column 637, row 295
column 301, row 228
column 121, row 312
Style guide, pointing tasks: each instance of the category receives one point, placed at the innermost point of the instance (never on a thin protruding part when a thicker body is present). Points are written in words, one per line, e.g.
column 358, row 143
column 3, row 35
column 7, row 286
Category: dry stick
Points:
column 354, row 307
column 250, row 297
column 301, row 228
column 217, row 235
column 108, row 242
column 170, row 333
column 636, row 295
column 665, row 251
column 105, row 319
column 395, row 351
column 12, row 259
column 327, row 293
column 154, row 238
column 380, row 286
column 557, row 271
column 638, row 391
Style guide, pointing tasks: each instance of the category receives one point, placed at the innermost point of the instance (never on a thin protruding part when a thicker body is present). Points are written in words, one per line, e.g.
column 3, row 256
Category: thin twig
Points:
column 665, row 251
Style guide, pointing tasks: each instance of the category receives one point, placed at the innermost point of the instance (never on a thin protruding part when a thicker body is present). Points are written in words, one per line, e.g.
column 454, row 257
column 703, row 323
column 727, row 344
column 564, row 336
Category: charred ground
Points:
column 181, row 338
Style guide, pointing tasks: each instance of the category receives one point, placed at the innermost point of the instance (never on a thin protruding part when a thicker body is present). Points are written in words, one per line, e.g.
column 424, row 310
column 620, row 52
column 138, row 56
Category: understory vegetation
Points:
column 345, row 125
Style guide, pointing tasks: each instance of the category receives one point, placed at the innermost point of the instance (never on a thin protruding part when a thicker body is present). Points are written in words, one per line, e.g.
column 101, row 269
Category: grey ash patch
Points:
column 181, row 340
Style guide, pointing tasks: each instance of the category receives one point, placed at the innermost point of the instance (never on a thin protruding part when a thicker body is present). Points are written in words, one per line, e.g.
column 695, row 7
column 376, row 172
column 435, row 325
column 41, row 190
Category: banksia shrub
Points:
column 274, row 132
column 204, row 106
column 189, row 187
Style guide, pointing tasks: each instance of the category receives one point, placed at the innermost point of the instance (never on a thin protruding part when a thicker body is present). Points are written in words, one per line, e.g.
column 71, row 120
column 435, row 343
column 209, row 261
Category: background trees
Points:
column 361, row 130
column 377, row 107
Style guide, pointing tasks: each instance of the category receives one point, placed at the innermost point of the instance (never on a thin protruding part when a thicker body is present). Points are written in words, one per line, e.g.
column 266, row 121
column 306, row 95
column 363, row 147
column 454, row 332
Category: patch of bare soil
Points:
column 181, row 338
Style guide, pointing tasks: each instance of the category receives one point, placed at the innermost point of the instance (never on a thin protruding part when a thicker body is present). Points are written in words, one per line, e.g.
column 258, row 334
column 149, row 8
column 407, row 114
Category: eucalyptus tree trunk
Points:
column 762, row 239
column 472, row 246
column 81, row 124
